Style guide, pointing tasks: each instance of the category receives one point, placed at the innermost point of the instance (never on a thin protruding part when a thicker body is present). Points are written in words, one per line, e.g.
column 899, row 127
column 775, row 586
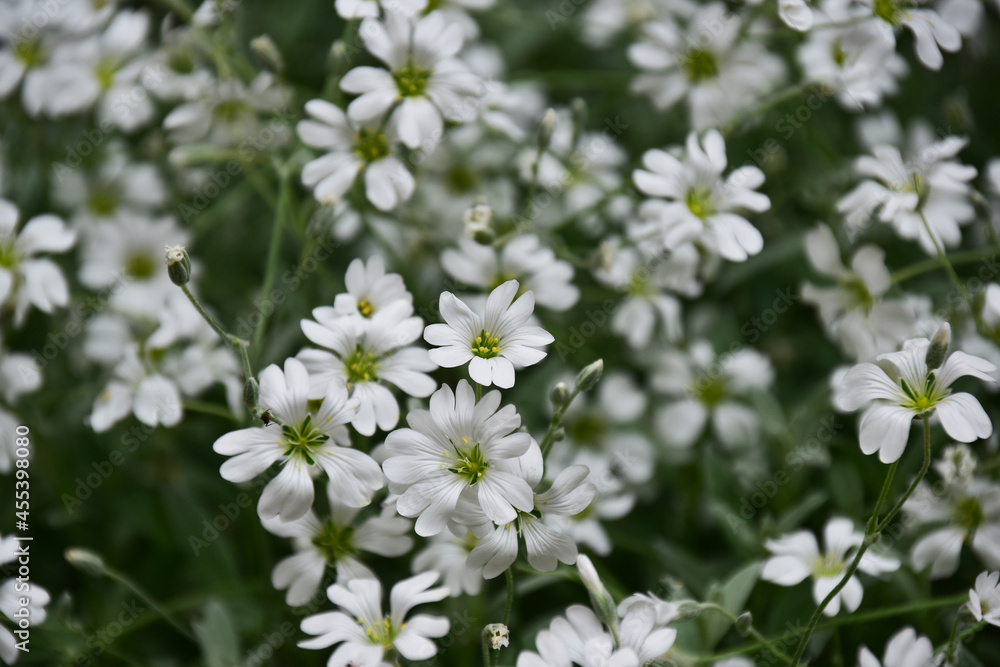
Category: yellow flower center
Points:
column 486, row 345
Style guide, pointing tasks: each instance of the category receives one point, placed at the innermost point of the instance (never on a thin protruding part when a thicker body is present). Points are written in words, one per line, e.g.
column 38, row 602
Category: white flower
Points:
column 719, row 75
column 696, row 204
column 546, row 544
column 960, row 513
column 903, row 388
column 904, row 649
column 647, row 280
column 454, row 450
column 448, row 556
column 334, row 542
column 363, row 9
column 363, row 355
column 19, row 374
column 796, row 14
column 522, row 258
column 227, row 112
column 351, row 149
column 701, row 387
column 25, row 278
column 854, row 60
column 984, row 599
column 854, row 312
column 363, row 635
column 492, row 343
column 578, row 638
column 153, row 398
column 931, row 32
column 369, row 290
column 425, row 82
column 102, row 69
column 797, row 556
column 304, row 443
column 929, row 186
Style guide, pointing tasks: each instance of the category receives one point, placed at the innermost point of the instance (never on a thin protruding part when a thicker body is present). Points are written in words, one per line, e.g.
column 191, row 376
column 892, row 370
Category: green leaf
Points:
column 217, row 636
column 731, row 595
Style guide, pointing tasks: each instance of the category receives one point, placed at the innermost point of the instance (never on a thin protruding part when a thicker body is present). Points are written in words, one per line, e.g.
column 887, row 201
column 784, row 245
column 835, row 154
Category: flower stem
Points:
column 509, row 575
column 916, row 480
column 115, row 575
column 751, row 631
column 943, row 258
column 550, row 435
column 274, row 253
column 964, row 257
column 953, row 642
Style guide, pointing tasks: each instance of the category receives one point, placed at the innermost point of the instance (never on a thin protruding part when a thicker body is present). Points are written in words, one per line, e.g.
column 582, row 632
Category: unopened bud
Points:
column 600, row 598
column 687, row 609
column 559, row 395
column 589, row 376
column 178, row 265
column 545, row 129
column 743, row 623
column 85, row 561
column 499, row 635
column 268, row 52
column 337, row 59
column 559, row 434
column 939, row 347
column 251, row 394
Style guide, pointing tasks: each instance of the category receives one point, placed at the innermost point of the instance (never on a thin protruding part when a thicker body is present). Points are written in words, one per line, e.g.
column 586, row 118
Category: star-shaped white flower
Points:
column 492, row 343
column 984, row 599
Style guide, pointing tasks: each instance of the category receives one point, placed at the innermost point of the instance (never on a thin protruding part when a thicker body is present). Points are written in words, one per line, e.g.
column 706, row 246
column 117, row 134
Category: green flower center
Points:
column 411, row 80
column 30, row 53
column 890, row 11
column 181, row 62
column 460, row 179
column 922, row 399
column 366, row 308
column 700, row 64
column 370, row 145
column 709, row 390
column 302, row 441
column 829, row 565
column 469, row 462
column 335, row 541
column 361, row 366
column 587, row 430
column 486, row 345
column 860, row 297
column 968, row 515
column 839, row 56
column 699, row 202
column 103, row 201
column 10, row 256
column 229, row 111
column 105, row 73
column 381, row 632
column 140, row 267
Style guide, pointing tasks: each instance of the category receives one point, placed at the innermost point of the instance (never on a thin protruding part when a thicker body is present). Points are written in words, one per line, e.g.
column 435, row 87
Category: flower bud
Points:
column 743, row 623
column 559, row 434
column 559, row 395
column 545, row 129
column 499, row 635
column 600, row 598
column 85, row 561
column 687, row 609
column 939, row 347
column 268, row 52
column 589, row 376
column 178, row 265
column 251, row 394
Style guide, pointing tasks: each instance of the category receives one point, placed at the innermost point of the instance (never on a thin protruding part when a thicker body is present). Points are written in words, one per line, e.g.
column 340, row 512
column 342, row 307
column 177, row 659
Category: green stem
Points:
column 209, row 409
column 216, row 327
column 550, row 435
column 752, row 631
column 134, row 587
column 274, row 254
column 487, row 660
column 953, row 643
column 954, row 259
column 916, row 480
column 509, row 575
column 772, row 101
column 943, row 258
